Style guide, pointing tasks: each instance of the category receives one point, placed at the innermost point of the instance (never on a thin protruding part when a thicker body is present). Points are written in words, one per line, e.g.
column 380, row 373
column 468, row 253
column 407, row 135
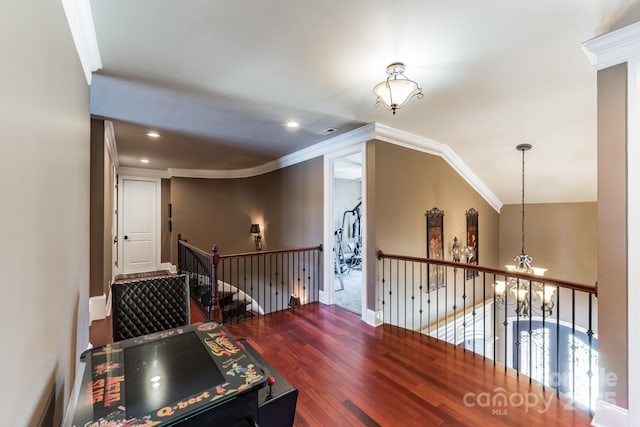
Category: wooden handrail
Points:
column 193, row 248
column 547, row 280
column 276, row 251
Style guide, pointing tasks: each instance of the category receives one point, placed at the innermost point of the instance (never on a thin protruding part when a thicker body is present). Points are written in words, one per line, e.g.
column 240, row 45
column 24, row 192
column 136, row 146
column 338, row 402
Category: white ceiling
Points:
column 220, row 79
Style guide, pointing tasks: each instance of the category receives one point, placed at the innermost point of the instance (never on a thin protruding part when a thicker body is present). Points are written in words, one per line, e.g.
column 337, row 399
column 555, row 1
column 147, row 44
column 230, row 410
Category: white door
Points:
column 139, row 219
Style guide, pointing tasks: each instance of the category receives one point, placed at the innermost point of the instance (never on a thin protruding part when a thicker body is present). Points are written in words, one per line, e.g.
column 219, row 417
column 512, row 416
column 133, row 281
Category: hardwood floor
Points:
column 349, row 373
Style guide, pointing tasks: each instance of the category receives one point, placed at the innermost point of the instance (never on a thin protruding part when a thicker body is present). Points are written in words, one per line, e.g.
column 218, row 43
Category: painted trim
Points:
column 168, row 266
column 80, row 22
column 609, row 415
column 614, row 47
column 109, row 302
column 429, row 146
column 110, row 140
column 633, row 230
column 97, row 308
column 329, row 148
column 322, row 297
column 121, row 178
column 145, row 173
column 328, row 230
column 373, row 317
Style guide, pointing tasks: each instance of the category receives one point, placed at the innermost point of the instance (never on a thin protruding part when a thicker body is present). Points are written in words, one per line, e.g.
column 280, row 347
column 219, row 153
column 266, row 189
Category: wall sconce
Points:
column 255, row 230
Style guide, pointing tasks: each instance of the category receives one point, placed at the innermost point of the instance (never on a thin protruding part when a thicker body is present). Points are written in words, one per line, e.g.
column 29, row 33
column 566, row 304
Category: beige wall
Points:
column 290, row 202
column 287, row 204
column 562, row 237
column 44, row 171
column 97, row 209
column 108, row 193
column 612, row 228
column 165, row 234
column 101, row 212
column 403, row 185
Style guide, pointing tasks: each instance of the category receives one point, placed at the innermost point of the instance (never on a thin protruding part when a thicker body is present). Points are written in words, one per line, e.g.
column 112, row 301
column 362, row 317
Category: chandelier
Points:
column 397, row 90
column 520, row 288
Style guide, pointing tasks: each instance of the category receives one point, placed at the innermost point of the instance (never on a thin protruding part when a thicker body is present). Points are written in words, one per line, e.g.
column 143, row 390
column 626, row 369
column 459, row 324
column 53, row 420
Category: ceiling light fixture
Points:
column 397, row 90
column 293, row 124
column 153, row 134
column 520, row 287
column 144, row 160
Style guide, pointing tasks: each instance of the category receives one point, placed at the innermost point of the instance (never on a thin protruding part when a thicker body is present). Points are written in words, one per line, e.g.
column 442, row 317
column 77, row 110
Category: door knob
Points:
column 126, row 237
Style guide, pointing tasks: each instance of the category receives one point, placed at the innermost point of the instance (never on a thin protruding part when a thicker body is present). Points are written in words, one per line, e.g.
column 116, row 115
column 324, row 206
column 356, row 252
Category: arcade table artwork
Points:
column 188, row 376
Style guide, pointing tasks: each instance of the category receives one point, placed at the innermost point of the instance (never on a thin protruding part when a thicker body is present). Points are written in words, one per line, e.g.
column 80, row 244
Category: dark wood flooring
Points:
column 351, row 374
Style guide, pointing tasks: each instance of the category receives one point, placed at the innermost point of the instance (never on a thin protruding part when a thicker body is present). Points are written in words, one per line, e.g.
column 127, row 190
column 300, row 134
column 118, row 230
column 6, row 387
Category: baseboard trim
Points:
column 108, row 308
column 373, row 317
column 168, row 266
column 323, row 297
column 97, row 308
column 609, row 415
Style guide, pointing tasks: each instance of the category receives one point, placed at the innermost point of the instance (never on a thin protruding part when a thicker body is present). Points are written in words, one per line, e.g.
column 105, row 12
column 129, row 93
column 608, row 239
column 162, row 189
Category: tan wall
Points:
column 287, row 204
column 562, row 237
column 97, row 208
column 212, row 211
column 403, row 185
column 45, row 138
column 107, row 242
column 612, row 228
column 101, row 209
column 291, row 203
column 165, row 234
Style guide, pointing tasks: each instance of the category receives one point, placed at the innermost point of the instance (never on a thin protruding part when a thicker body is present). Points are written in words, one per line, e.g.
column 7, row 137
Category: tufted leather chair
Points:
column 145, row 306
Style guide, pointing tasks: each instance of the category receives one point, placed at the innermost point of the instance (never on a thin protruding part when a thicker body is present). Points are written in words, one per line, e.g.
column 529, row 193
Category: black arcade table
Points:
column 188, row 376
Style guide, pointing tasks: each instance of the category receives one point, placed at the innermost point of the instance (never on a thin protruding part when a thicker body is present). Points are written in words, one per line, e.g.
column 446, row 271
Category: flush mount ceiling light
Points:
column 397, row 90
column 144, row 160
column 153, row 134
column 292, row 124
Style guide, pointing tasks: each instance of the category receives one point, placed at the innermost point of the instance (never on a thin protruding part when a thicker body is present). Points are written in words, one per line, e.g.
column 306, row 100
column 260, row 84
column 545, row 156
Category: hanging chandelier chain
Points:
column 522, row 252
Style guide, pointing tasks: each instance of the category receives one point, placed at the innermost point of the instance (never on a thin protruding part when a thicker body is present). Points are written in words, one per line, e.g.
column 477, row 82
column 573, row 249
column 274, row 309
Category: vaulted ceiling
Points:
column 220, row 79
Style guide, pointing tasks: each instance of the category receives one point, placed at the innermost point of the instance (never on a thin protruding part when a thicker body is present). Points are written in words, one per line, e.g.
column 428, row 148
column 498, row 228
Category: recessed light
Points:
column 292, row 124
column 153, row 134
column 144, row 160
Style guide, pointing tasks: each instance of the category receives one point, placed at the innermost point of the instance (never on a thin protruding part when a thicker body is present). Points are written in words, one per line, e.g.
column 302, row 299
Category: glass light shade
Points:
column 538, row 271
column 520, row 294
column 395, row 93
column 500, row 287
column 546, row 294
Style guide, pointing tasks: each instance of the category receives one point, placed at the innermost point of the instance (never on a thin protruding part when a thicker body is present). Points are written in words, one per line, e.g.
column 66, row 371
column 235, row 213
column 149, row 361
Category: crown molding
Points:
column 341, row 142
column 348, row 139
column 144, row 173
column 613, row 48
column 80, row 22
column 429, row 146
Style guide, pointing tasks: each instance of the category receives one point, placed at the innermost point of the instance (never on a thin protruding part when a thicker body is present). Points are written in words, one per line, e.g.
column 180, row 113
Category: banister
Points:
column 271, row 252
column 547, row 280
column 193, row 248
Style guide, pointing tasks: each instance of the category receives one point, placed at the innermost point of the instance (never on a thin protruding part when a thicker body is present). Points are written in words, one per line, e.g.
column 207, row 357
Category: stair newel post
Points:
column 216, row 313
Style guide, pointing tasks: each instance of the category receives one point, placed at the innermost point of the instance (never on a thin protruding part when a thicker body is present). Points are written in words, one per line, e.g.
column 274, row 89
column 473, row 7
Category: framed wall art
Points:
column 435, row 247
column 472, row 241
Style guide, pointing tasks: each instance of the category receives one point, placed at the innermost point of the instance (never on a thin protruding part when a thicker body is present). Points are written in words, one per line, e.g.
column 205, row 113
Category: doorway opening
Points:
column 348, row 228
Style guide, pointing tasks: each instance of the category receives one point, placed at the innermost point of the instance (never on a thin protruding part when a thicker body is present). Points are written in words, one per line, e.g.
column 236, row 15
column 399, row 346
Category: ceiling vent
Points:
column 328, row 131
